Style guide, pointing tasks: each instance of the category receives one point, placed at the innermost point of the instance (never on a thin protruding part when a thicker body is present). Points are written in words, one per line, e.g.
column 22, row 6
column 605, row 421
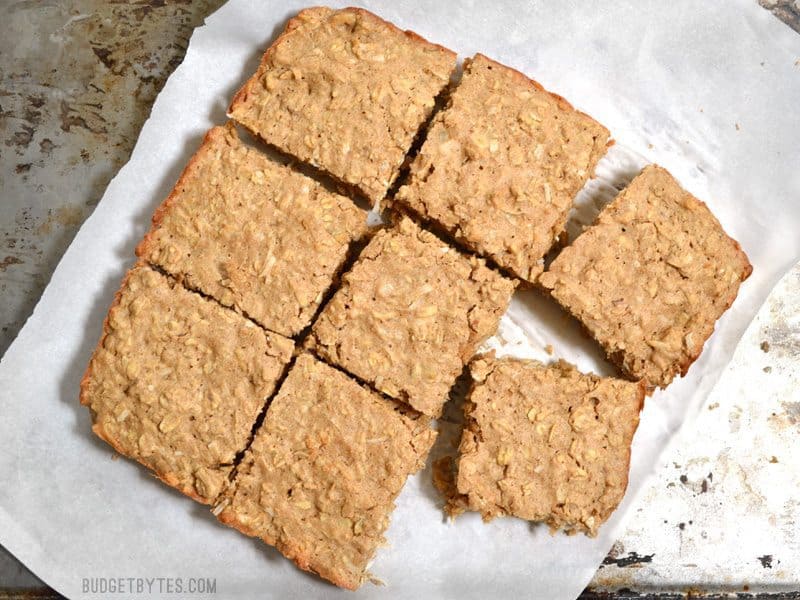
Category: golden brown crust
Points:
column 545, row 443
column 410, row 314
column 365, row 86
column 166, row 478
column 83, row 396
column 189, row 171
column 649, row 279
column 501, row 165
column 320, row 478
column 255, row 235
column 563, row 103
column 747, row 270
column 307, row 14
column 85, row 399
column 302, row 560
column 176, row 381
column 412, row 35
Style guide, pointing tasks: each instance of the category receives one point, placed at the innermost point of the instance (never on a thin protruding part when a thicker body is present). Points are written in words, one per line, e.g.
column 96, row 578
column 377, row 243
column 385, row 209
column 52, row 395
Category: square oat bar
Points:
column 410, row 314
column 347, row 92
column 320, row 479
column 501, row 165
column 253, row 234
column 546, row 442
column 650, row 277
column 177, row 381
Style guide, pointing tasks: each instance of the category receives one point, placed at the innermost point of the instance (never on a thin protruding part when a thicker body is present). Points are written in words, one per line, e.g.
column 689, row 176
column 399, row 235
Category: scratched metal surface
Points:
column 723, row 512
column 77, row 80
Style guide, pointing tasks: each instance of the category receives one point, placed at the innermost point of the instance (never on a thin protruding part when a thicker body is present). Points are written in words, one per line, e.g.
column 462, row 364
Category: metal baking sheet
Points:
column 706, row 134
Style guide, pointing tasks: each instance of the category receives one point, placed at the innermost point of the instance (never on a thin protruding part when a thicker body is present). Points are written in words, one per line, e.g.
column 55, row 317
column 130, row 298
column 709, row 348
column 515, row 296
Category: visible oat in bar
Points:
column 320, row 479
column 650, row 278
column 501, row 165
column 177, row 381
column 546, row 443
column 347, row 92
column 410, row 314
column 254, row 234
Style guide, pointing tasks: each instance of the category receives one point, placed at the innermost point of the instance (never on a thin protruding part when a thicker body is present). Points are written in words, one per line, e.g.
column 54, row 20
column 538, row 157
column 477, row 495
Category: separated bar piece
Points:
column 177, row 381
column 501, row 165
column 546, row 443
column 410, row 314
column 347, row 92
column 253, row 234
column 650, row 277
column 320, row 479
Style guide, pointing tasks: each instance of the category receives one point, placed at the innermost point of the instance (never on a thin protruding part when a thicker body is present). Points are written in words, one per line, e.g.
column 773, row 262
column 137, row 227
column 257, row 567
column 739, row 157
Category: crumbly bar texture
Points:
column 410, row 314
column 650, row 278
column 501, row 165
column 253, row 234
column 546, row 442
column 347, row 92
column 320, row 479
column 177, row 381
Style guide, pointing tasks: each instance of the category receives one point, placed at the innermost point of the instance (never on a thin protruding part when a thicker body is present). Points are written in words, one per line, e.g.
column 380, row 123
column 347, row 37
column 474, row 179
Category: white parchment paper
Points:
column 710, row 90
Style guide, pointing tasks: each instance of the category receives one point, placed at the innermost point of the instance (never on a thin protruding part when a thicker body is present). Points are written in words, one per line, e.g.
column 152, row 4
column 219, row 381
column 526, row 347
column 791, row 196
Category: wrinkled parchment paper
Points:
column 709, row 90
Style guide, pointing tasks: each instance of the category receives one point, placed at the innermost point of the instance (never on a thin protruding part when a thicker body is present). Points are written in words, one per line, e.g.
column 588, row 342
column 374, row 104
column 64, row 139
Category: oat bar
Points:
column 345, row 91
column 546, row 442
column 501, row 165
column 410, row 314
column 650, row 278
column 320, row 479
column 254, row 234
column 177, row 381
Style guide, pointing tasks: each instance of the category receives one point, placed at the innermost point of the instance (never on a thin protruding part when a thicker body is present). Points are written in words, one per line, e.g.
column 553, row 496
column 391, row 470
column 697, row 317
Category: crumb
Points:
column 765, row 346
column 444, row 480
column 549, row 349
